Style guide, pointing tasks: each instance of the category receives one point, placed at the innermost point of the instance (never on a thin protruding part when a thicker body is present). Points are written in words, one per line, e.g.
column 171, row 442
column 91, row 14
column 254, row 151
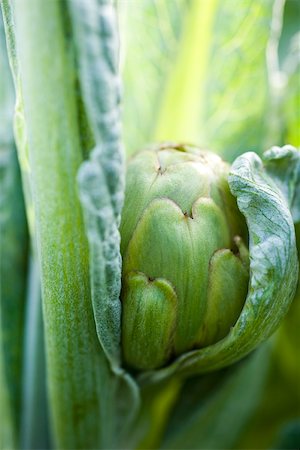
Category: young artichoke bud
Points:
column 185, row 259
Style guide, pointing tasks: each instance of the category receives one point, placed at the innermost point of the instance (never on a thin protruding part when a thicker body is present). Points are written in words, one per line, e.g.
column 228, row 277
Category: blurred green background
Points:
column 222, row 74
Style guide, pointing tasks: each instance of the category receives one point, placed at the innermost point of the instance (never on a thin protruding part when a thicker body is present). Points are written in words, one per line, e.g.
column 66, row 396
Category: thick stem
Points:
column 13, row 262
column 73, row 352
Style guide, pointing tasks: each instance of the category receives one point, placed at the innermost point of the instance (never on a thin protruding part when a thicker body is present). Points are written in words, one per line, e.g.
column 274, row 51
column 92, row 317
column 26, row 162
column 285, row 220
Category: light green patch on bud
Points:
column 227, row 290
column 178, row 214
column 149, row 318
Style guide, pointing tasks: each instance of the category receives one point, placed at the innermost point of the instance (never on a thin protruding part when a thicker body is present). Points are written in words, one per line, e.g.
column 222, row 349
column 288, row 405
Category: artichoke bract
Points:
column 185, row 259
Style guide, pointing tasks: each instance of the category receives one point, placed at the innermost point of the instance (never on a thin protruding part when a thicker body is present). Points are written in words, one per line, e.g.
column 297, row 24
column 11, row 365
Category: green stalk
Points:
column 50, row 109
column 34, row 427
column 13, row 265
column 13, row 262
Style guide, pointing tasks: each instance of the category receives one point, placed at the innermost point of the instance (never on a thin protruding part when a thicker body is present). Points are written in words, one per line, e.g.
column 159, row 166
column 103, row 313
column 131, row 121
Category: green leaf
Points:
column 283, row 165
column 217, row 407
column 273, row 270
column 96, row 43
column 101, row 185
column 13, row 261
column 105, row 271
column 287, row 343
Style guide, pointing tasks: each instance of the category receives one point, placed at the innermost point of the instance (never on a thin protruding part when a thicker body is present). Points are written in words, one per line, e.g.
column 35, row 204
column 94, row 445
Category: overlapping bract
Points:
column 185, row 263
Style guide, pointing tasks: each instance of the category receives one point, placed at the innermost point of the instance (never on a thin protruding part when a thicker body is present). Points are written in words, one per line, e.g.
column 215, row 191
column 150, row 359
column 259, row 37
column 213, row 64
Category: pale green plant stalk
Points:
column 13, row 262
column 33, row 429
column 34, row 423
column 55, row 154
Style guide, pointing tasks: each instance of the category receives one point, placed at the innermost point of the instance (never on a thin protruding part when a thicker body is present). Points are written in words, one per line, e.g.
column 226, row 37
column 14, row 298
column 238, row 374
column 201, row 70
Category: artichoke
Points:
column 184, row 242
column 206, row 276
